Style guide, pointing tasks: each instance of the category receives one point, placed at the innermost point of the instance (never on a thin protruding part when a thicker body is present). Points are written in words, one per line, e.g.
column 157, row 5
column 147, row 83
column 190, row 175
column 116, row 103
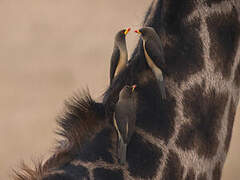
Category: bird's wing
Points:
column 155, row 52
column 123, row 117
column 114, row 63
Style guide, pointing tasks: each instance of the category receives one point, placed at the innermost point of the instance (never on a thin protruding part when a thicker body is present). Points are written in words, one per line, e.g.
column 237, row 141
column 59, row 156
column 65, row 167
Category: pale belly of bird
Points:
column 151, row 64
column 122, row 64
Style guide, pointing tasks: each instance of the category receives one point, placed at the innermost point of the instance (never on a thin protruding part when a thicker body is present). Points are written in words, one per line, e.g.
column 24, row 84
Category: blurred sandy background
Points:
column 50, row 49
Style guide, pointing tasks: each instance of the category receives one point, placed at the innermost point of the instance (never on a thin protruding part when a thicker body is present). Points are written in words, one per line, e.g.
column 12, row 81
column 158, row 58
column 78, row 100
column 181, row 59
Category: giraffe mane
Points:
column 27, row 173
column 82, row 119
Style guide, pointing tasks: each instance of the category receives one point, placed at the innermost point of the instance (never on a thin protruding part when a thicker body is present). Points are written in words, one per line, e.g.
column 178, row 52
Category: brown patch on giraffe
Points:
column 153, row 115
column 60, row 176
column 190, row 175
column 224, row 31
column 201, row 133
column 74, row 171
column 202, row 176
column 185, row 138
column 171, row 13
column 174, row 168
column 103, row 174
column 237, row 76
column 98, row 148
column 217, row 172
column 183, row 50
column 211, row 2
column 231, row 116
column 176, row 11
column 143, row 158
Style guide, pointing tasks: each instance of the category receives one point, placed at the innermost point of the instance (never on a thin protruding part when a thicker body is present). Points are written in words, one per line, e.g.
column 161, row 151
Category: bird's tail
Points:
column 162, row 88
column 160, row 80
column 122, row 151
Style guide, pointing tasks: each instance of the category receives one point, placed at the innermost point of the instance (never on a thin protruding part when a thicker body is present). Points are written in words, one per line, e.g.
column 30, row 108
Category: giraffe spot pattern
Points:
column 103, row 174
column 217, row 172
column 201, row 133
column 173, row 169
column 231, row 116
column 173, row 13
column 176, row 11
column 143, row 157
column 154, row 115
column 186, row 137
column 202, row 176
column 98, row 148
column 237, row 76
column 58, row 176
column 224, row 31
column 75, row 172
column 211, row 2
column 181, row 42
column 184, row 52
column 190, row 175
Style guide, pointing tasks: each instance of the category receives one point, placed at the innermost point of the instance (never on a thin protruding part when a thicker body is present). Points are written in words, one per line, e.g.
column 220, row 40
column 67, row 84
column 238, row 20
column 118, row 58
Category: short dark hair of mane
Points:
column 81, row 119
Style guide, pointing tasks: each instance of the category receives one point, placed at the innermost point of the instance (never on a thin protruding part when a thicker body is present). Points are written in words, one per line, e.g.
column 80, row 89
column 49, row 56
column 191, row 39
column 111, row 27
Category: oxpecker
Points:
column 154, row 55
column 119, row 57
column 124, row 119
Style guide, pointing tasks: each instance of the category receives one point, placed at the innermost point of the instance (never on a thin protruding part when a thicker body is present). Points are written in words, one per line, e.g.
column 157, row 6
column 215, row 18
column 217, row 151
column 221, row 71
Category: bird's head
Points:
column 121, row 35
column 133, row 87
column 146, row 32
column 127, row 91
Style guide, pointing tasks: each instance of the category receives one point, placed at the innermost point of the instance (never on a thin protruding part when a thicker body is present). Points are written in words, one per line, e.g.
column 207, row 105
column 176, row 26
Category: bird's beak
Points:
column 133, row 87
column 127, row 30
column 137, row 31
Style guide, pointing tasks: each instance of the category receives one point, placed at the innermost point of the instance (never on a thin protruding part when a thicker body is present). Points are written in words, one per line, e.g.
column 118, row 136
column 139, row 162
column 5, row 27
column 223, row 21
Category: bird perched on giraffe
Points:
column 124, row 119
column 119, row 57
column 154, row 55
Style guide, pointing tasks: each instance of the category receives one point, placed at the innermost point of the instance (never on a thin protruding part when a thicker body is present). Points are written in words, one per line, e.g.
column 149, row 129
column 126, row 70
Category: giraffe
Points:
column 186, row 137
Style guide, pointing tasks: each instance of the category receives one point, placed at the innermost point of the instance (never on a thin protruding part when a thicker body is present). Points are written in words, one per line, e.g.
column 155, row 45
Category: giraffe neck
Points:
column 203, row 82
